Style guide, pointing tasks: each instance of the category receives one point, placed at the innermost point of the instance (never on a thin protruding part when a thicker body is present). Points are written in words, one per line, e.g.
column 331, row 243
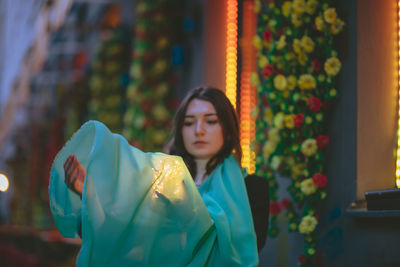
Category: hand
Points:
column 74, row 174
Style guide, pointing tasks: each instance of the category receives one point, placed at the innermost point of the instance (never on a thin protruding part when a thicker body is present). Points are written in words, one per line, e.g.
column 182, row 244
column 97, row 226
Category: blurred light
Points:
column 398, row 93
column 247, row 90
column 231, row 51
column 3, row 182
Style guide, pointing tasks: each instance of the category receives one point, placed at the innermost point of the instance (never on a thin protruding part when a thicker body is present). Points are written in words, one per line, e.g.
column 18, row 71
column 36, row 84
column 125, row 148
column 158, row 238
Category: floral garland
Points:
column 296, row 83
column 109, row 79
column 151, row 102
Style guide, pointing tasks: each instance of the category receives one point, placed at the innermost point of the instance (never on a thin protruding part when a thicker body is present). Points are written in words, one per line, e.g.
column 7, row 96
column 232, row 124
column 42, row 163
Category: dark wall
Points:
column 347, row 239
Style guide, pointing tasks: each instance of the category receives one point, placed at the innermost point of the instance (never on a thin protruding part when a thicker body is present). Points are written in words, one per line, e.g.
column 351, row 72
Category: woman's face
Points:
column 202, row 131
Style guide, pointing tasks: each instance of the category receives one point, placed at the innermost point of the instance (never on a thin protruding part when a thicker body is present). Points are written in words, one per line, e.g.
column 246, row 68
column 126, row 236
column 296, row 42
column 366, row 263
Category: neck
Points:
column 201, row 165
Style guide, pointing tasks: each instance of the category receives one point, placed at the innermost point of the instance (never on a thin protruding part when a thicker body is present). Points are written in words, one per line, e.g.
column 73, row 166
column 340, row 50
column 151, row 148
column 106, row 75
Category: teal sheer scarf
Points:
column 143, row 209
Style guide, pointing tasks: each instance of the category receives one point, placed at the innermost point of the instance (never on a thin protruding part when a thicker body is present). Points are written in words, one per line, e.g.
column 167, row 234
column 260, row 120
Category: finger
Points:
column 68, row 161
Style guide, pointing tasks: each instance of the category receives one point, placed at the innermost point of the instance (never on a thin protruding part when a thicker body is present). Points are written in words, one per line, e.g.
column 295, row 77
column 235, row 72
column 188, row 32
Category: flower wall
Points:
column 297, row 85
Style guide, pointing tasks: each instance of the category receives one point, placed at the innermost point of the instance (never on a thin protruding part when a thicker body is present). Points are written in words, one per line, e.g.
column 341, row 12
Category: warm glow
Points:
column 247, row 90
column 398, row 107
column 3, row 182
column 231, row 51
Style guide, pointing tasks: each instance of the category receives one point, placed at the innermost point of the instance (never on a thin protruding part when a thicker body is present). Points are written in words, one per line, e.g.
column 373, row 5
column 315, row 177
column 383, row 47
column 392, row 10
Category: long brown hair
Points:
column 227, row 118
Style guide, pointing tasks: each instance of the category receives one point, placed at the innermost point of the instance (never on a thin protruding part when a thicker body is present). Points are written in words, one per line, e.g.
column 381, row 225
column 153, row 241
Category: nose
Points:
column 199, row 130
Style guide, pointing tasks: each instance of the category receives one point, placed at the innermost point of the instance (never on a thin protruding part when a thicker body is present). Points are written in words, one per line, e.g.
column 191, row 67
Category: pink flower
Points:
column 298, row 120
column 274, row 208
column 267, row 71
column 314, row 104
column 319, row 180
column 322, row 141
column 286, row 203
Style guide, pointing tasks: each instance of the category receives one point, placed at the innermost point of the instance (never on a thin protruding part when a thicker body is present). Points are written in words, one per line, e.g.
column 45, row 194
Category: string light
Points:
column 231, row 51
column 247, row 90
column 398, row 117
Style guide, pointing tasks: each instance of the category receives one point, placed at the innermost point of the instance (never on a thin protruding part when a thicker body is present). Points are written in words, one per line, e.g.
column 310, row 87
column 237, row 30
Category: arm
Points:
column 74, row 174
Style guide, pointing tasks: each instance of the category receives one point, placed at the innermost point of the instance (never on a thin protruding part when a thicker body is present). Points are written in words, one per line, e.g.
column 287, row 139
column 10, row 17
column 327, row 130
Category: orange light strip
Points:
column 231, row 51
column 398, row 116
column 247, row 90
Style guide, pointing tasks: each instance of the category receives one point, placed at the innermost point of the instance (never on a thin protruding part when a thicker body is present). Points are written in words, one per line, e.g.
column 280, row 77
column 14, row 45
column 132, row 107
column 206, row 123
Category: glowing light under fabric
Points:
column 231, row 51
column 247, row 90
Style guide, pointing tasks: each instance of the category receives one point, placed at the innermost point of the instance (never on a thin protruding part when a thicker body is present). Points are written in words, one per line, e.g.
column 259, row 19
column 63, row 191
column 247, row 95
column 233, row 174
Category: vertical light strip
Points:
column 231, row 50
column 398, row 90
column 247, row 90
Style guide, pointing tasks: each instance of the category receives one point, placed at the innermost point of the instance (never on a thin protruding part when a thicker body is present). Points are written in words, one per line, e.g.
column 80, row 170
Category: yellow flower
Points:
column 280, row 82
column 285, row 94
column 286, row 8
column 257, row 42
column 275, row 162
column 268, row 148
column 308, row 187
column 319, row 23
column 292, row 226
column 289, row 56
column 268, row 115
column 279, row 120
column 321, row 77
column 319, row 116
column 281, row 42
column 297, row 170
column 330, row 15
column 160, row 113
column 332, row 66
column 333, row 92
column 162, row 42
column 307, row 224
column 311, row 251
column 273, row 135
column 302, row 58
column 307, row 43
column 307, row 82
column 159, row 137
column 296, row 20
column 292, row 81
column 263, row 61
column 254, row 79
column 297, row 46
column 311, row 6
column 289, row 121
column 257, row 6
column 308, row 120
column 160, row 66
column 337, row 26
column 299, row 6
column 272, row 23
column 309, row 147
column 162, row 89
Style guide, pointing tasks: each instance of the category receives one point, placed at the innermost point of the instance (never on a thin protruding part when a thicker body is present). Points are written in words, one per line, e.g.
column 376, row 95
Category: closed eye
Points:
column 187, row 123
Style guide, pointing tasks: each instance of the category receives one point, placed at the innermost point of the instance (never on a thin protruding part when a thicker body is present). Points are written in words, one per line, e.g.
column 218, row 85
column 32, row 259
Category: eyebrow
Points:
column 207, row 114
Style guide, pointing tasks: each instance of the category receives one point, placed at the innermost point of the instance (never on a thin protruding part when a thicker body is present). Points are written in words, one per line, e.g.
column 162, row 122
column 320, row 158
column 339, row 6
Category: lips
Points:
column 200, row 142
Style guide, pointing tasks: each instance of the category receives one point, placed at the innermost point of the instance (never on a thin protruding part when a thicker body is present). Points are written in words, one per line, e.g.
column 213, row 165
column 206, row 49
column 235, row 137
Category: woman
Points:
column 144, row 208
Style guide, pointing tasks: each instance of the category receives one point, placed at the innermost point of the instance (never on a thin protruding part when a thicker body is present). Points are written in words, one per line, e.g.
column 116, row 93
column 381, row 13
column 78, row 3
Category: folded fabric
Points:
column 143, row 209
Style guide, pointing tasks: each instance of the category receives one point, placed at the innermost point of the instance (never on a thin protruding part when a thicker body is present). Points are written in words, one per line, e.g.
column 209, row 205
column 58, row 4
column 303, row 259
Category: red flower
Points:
column 298, row 120
column 322, row 141
column 286, row 203
column 274, row 208
column 267, row 35
column 302, row 259
column 319, row 180
column 314, row 104
column 268, row 70
column 316, row 65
